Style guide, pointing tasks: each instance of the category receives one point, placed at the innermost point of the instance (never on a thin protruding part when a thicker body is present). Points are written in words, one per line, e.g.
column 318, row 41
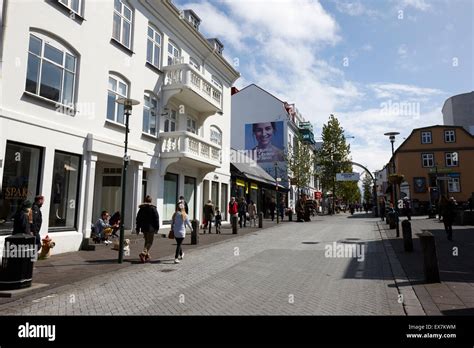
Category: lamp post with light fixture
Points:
column 391, row 136
column 127, row 105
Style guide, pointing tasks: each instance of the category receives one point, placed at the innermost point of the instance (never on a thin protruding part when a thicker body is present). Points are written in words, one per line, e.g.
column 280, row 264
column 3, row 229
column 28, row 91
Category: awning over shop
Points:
column 254, row 173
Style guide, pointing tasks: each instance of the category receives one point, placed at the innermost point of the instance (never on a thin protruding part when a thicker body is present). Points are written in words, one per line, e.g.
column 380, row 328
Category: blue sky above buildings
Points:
column 379, row 65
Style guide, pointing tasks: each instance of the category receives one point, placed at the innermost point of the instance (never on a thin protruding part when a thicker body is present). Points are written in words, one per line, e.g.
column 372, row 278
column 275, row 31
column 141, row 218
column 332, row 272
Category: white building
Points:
column 253, row 105
column 64, row 63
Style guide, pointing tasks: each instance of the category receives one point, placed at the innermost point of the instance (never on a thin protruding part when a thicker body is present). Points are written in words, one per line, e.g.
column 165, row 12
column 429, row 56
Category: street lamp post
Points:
column 391, row 136
column 127, row 105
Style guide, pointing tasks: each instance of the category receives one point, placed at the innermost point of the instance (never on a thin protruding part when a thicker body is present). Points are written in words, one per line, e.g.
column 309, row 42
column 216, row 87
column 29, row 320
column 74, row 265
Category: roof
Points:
column 428, row 127
column 264, row 90
column 251, row 170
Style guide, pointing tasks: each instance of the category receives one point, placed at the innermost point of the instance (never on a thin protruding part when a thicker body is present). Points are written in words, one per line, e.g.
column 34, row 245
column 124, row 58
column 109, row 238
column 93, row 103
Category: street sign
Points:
column 347, row 176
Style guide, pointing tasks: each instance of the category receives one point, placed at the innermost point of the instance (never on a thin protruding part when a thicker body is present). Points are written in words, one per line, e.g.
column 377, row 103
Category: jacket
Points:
column 148, row 219
column 178, row 225
column 21, row 223
column 37, row 219
column 233, row 208
column 242, row 207
column 208, row 211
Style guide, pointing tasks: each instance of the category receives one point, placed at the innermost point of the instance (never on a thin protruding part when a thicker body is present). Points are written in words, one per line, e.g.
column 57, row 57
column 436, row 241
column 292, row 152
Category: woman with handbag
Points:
column 178, row 227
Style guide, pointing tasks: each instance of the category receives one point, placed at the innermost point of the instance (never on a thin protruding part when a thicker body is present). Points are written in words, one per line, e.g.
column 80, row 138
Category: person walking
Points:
column 208, row 215
column 233, row 210
column 449, row 214
column 23, row 218
column 242, row 212
column 147, row 222
column 178, row 225
column 252, row 210
column 281, row 209
column 218, row 223
column 37, row 219
column 181, row 200
column 272, row 207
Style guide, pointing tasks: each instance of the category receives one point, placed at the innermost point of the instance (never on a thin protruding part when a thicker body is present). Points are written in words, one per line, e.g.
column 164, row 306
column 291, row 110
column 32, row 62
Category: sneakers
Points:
column 181, row 257
column 107, row 242
column 142, row 257
column 176, row 261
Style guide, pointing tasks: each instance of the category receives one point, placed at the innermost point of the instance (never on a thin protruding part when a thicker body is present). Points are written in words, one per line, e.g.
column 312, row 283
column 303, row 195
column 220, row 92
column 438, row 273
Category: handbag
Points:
column 171, row 234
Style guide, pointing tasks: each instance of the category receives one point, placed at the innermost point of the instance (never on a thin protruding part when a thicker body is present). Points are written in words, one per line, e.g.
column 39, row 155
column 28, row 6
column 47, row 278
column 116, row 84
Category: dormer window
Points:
column 192, row 18
column 217, row 45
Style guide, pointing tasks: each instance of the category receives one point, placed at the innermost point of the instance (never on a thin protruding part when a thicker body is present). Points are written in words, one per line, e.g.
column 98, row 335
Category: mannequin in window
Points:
column 57, row 189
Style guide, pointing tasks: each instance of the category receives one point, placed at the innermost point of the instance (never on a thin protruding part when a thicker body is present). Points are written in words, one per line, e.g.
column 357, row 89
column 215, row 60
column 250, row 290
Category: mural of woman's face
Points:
column 264, row 133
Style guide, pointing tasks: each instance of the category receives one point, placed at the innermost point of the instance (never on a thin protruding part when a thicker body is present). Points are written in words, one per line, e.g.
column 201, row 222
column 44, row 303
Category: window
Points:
column 51, row 71
column 153, row 50
column 194, row 63
column 216, row 135
column 426, row 138
column 173, row 53
column 64, row 191
column 428, row 159
column 170, row 121
column 21, row 175
column 452, row 159
column 150, row 112
column 191, row 125
column 118, row 88
column 170, row 196
column 122, row 31
column 190, row 194
column 449, row 136
column 454, row 184
column 73, row 5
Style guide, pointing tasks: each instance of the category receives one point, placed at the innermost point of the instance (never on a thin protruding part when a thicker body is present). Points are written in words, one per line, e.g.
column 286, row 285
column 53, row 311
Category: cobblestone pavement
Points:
column 277, row 271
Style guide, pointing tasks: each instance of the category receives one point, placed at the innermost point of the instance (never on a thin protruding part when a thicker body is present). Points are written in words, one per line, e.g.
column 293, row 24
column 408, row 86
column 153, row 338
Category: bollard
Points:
column 233, row 220
column 392, row 220
column 407, row 238
column 290, row 215
column 195, row 232
column 260, row 220
column 430, row 259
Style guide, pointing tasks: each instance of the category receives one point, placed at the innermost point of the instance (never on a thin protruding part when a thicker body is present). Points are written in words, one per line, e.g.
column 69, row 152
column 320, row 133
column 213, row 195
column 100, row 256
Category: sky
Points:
column 378, row 65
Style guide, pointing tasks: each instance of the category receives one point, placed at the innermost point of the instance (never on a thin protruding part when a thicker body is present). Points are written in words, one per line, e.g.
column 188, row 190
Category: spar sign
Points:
column 347, row 176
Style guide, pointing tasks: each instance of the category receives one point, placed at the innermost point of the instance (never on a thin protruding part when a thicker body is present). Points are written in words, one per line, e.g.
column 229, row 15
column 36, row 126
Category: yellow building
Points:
column 436, row 160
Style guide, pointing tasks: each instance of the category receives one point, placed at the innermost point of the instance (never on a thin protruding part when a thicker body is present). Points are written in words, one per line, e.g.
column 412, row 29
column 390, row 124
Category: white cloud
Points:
column 402, row 51
column 395, row 91
column 421, row 5
column 354, row 8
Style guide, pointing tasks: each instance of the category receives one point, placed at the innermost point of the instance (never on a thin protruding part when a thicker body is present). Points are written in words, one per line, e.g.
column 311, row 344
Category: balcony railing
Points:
column 186, row 144
column 185, row 75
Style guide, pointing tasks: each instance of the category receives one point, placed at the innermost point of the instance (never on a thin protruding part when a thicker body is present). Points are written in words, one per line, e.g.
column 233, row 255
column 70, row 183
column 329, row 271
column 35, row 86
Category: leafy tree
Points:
column 367, row 185
column 300, row 163
column 334, row 157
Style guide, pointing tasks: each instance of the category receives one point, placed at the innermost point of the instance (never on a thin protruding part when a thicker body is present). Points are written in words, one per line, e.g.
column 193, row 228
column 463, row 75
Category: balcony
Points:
column 189, row 86
column 189, row 149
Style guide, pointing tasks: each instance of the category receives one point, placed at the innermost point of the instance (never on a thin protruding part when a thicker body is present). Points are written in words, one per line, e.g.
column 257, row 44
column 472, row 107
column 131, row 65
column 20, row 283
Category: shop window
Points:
column 64, row 191
column 170, row 196
column 21, row 176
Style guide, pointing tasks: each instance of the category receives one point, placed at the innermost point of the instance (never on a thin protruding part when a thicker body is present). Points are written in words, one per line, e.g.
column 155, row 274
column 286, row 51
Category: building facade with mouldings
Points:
column 63, row 66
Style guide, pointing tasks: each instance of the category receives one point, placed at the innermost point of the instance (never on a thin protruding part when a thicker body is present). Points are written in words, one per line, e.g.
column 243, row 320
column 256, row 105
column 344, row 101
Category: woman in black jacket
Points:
column 148, row 222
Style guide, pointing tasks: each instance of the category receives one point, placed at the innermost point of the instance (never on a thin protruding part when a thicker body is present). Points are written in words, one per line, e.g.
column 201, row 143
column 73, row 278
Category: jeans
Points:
column 179, row 250
column 242, row 216
column 149, row 237
column 448, row 227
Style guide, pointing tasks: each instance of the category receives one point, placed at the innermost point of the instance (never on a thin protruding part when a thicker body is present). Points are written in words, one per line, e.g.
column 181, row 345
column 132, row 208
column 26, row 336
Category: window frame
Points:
column 457, row 179
column 67, row 4
column 117, row 107
column 171, row 55
column 425, row 133
column 191, row 119
column 151, row 96
column 155, row 44
column 216, row 130
column 423, row 159
column 447, row 133
column 123, row 5
column 453, row 163
column 46, row 40
column 169, row 119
